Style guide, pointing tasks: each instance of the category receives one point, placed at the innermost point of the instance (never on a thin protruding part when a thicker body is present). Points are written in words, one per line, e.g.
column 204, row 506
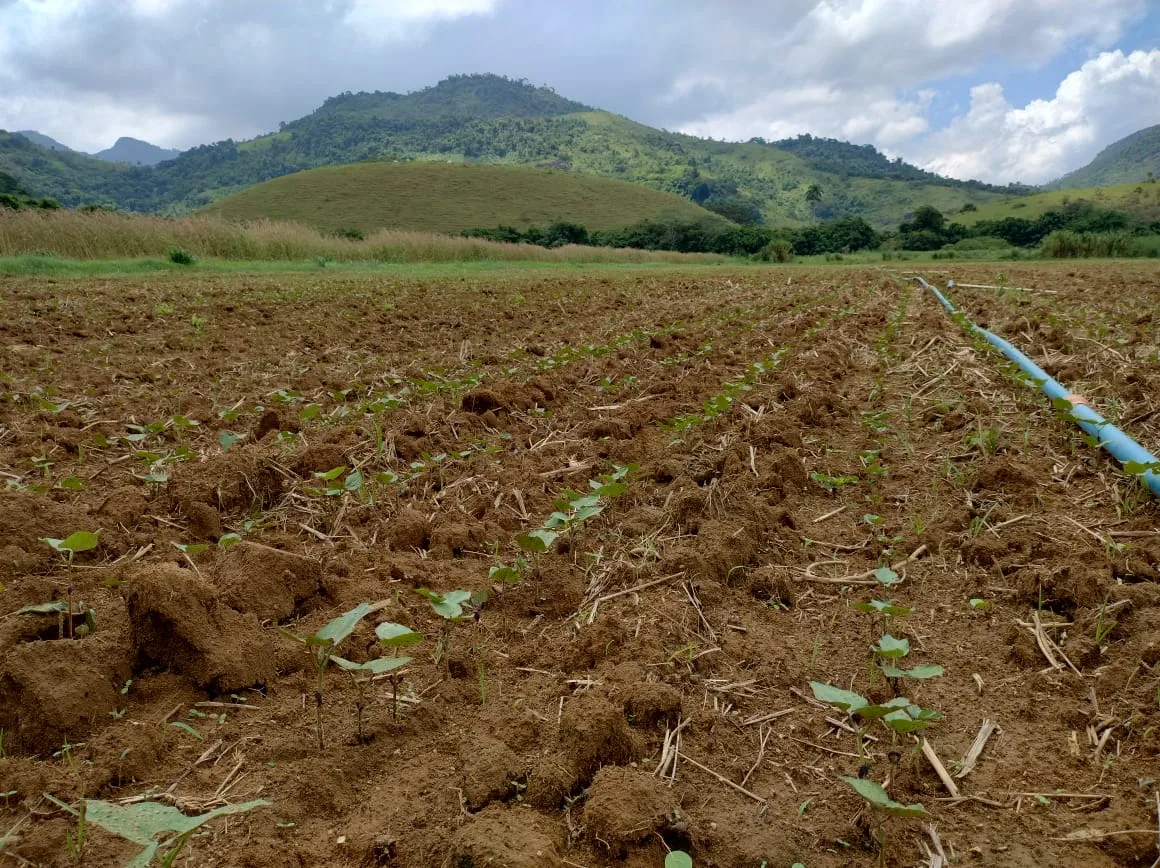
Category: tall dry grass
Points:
column 107, row 235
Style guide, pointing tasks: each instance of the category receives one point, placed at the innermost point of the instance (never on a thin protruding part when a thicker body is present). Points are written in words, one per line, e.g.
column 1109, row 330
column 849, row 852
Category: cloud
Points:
column 183, row 72
column 386, row 20
column 864, row 69
column 1110, row 96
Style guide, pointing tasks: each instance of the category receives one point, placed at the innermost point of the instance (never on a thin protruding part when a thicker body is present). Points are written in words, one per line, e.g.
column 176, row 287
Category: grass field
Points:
column 1141, row 200
column 650, row 503
column 451, row 197
column 34, row 239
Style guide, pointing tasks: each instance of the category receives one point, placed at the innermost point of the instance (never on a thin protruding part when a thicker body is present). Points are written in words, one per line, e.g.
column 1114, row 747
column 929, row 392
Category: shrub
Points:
column 1063, row 244
column 777, row 250
column 180, row 256
column 350, row 234
column 982, row 242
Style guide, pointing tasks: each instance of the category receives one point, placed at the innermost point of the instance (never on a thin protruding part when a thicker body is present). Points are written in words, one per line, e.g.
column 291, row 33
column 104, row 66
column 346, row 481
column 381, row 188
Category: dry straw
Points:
column 108, row 235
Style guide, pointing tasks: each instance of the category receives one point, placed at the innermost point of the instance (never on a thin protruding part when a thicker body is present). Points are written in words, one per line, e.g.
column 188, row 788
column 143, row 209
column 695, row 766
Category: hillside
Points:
column 1139, row 200
column 1132, row 159
column 44, row 141
column 124, row 150
column 489, row 119
column 439, row 197
column 136, row 152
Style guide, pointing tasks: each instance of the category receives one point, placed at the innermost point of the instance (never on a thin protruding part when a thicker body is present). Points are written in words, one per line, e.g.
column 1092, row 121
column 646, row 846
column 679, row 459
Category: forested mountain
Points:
column 491, row 119
column 1132, row 159
column 136, row 152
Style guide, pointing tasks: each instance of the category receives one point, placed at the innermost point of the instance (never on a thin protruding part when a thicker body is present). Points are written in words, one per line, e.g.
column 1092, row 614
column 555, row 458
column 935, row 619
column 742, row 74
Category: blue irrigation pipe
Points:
column 1122, row 447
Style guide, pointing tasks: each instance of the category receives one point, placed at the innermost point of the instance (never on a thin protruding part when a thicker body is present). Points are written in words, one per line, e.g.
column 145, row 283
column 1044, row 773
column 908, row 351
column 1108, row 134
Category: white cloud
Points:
column 400, row 19
column 1107, row 98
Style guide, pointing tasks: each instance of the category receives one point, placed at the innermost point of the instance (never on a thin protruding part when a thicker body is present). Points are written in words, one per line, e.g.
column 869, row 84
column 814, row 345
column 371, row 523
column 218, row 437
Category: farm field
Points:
column 679, row 490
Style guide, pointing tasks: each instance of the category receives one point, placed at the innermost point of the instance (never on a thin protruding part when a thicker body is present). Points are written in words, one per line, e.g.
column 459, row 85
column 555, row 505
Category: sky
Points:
column 998, row 90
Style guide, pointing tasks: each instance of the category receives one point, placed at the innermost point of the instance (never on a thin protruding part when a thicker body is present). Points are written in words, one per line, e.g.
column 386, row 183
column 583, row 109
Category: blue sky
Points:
column 1001, row 90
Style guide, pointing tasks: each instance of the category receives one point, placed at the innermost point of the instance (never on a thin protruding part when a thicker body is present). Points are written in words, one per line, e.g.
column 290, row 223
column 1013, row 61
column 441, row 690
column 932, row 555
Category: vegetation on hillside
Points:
column 1139, row 201
column 108, row 235
column 1131, row 160
column 14, row 197
column 438, row 197
column 489, row 119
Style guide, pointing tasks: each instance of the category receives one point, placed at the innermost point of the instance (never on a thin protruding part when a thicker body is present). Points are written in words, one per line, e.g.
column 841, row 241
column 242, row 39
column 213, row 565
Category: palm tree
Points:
column 814, row 196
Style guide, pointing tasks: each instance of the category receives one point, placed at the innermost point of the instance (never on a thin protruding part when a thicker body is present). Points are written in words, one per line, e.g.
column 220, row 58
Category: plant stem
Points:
column 320, row 668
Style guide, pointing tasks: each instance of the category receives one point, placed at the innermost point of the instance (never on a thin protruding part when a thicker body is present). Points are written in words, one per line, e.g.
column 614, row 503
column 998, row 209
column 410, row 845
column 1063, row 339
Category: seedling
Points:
column 451, row 608
column 396, row 636
column 678, row 859
column 80, row 541
column 141, row 823
column 368, row 671
column 883, row 806
column 833, row 483
column 536, row 542
column 322, row 644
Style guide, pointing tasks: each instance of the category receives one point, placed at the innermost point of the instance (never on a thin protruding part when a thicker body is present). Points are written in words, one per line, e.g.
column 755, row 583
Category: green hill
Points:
column 1139, row 200
column 439, row 197
column 1133, row 159
column 489, row 119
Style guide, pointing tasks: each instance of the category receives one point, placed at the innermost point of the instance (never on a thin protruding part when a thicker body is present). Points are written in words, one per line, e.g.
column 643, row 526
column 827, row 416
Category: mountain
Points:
column 443, row 197
column 1140, row 202
column 44, row 141
column 125, row 150
column 491, row 119
column 1132, row 159
column 136, row 153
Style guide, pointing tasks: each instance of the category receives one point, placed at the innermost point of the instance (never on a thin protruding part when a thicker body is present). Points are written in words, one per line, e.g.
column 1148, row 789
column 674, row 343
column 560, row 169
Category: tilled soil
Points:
column 787, row 433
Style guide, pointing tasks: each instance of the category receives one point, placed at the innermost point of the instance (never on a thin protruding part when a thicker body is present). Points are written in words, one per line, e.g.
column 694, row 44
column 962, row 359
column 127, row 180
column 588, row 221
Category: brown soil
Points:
column 707, row 597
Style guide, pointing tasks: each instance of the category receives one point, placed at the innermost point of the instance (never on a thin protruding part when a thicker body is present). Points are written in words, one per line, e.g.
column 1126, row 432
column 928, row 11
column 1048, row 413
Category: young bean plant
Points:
column 453, row 607
column 70, row 546
column 321, row 646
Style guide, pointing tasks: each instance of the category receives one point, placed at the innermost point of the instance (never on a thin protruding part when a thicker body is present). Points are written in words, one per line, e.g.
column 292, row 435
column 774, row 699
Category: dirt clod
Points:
column 179, row 622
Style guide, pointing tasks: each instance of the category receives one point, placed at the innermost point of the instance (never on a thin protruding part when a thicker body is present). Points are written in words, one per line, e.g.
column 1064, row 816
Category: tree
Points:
column 929, row 219
column 813, row 196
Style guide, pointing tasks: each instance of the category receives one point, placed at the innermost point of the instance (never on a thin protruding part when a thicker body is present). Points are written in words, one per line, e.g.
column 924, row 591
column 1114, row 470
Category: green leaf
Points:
column 1137, row 468
column 977, row 603
column 901, row 721
column 449, row 605
column 836, row 696
column 397, row 635
column 609, row 490
column 882, row 607
column 872, row 792
column 227, row 439
column 584, row 513
column 377, row 666
column 557, row 519
column 874, row 712
column 887, row 576
column 332, row 474
column 505, row 574
column 891, row 648
column 678, row 859
column 310, row 411
column 81, row 541
column 353, row 482
column 228, row 539
column 925, row 671
column 341, row 627
column 536, row 541
column 44, row 608
column 141, row 822
column 72, row 483
column 185, row 727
